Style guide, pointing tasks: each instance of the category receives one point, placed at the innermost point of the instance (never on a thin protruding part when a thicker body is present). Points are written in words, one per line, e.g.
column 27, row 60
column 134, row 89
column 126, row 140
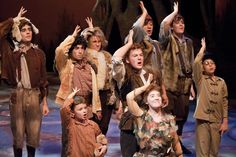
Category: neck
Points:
column 83, row 121
column 155, row 113
column 179, row 36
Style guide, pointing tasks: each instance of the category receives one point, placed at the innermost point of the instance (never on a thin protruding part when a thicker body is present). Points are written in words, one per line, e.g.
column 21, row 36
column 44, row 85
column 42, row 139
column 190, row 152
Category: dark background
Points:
column 57, row 18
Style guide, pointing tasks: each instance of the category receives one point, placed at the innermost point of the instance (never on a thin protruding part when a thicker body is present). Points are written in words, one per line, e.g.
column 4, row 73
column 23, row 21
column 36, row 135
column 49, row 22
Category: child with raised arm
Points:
column 155, row 130
column 212, row 104
column 84, row 136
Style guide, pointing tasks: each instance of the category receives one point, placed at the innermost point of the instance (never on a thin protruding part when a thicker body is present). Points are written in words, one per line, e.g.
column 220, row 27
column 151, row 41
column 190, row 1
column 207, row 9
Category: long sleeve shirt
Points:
column 212, row 102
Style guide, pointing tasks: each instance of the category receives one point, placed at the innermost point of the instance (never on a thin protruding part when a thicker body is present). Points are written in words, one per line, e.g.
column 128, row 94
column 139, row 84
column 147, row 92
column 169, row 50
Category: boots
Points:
column 17, row 151
column 30, row 151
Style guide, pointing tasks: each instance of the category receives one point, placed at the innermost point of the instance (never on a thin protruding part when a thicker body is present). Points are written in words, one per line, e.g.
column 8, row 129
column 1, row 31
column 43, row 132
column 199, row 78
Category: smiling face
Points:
column 95, row 43
column 154, row 99
column 135, row 58
column 26, row 33
column 209, row 67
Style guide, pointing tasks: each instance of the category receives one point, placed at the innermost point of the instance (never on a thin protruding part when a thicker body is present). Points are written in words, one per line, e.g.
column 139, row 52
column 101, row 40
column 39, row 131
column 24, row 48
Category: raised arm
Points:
column 132, row 104
column 118, row 66
column 120, row 53
column 141, row 19
column 62, row 50
column 166, row 23
column 197, row 65
column 89, row 21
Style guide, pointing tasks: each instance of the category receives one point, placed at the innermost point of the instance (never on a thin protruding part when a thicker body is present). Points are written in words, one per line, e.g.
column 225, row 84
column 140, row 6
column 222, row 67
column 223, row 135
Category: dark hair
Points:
column 24, row 22
column 150, row 88
column 148, row 19
column 209, row 55
column 177, row 18
column 77, row 100
column 80, row 40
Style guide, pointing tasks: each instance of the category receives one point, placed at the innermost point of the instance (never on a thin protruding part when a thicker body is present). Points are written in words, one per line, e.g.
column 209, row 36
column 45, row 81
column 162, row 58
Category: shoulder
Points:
column 107, row 54
column 188, row 40
column 94, row 125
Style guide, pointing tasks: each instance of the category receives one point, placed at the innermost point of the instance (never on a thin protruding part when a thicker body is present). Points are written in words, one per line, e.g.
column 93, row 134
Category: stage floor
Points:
column 50, row 145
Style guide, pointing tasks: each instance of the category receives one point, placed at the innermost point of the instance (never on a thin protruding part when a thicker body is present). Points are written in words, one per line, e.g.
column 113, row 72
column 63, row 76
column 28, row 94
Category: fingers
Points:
column 89, row 21
column 150, row 78
column 176, row 6
column 76, row 31
column 21, row 12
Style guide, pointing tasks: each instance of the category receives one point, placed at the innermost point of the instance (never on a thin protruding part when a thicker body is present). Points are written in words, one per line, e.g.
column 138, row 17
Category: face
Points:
column 95, row 43
column 136, row 58
column 209, row 66
column 26, row 33
column 178, row 26
column 148, row 28
column 80, row 112
column 78, row 52
column 154, row 99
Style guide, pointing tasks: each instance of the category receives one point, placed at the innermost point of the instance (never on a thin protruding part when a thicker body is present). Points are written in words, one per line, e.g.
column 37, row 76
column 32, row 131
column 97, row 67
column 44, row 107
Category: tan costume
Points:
column 212, row 107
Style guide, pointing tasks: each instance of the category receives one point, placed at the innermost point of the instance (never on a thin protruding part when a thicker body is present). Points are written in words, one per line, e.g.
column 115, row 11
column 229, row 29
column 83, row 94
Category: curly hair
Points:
column 80, row 40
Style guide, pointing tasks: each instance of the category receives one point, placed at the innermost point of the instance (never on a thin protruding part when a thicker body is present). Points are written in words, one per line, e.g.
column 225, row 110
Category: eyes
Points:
column 26, row 29
column 208, row 62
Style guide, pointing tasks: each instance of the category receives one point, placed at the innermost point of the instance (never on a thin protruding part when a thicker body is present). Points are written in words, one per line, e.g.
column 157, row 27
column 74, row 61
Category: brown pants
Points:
column 207, row 139
column 26, row 117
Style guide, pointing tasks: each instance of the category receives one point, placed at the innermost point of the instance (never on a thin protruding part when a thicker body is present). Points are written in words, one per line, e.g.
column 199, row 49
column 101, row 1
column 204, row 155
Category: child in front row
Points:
column 211, row 112
column 84, row 136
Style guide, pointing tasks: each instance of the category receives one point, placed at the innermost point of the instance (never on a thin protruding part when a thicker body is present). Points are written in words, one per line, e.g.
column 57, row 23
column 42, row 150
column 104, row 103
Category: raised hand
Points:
column 176, row 7
column 21, row 12
column 203, row 43
column 76, row 31
column 89, row 21
column 144, row 10
column 150, row 78
column 73, row 93
column 130, row 37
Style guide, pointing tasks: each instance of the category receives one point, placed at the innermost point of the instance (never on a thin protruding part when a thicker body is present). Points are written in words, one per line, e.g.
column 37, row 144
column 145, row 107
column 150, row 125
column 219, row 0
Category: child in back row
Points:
column 83, row 135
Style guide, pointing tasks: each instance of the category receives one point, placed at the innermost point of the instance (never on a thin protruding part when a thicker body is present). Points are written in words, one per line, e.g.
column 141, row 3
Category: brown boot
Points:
column 17, row 151
column 30, row 151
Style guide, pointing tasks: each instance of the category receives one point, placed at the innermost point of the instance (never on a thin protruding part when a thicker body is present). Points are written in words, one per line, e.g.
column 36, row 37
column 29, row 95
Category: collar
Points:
column 21, row 47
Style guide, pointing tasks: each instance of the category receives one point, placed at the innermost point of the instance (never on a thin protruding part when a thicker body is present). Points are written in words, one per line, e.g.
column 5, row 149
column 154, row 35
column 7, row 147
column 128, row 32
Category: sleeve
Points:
column 197, row 69
column 62, row 50
column 43, row 80
column 225, row 100
column 164, row 36
column 5, row 27
column 118, row 72
column 65, row 112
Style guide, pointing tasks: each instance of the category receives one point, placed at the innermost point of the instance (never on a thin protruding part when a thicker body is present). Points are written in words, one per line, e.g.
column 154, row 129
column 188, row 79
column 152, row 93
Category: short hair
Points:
column 80, row 40
column 24, row 22
column 133, row 47
column 77, row 100
column 148, row 19
column 177, row 18
column 209, row 55
column 150, row 88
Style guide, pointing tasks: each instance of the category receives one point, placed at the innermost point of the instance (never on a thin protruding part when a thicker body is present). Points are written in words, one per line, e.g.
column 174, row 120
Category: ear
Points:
column 72, row 115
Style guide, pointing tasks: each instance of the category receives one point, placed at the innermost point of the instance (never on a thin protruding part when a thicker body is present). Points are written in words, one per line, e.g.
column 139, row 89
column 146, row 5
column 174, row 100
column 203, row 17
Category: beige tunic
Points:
column 212, row 102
